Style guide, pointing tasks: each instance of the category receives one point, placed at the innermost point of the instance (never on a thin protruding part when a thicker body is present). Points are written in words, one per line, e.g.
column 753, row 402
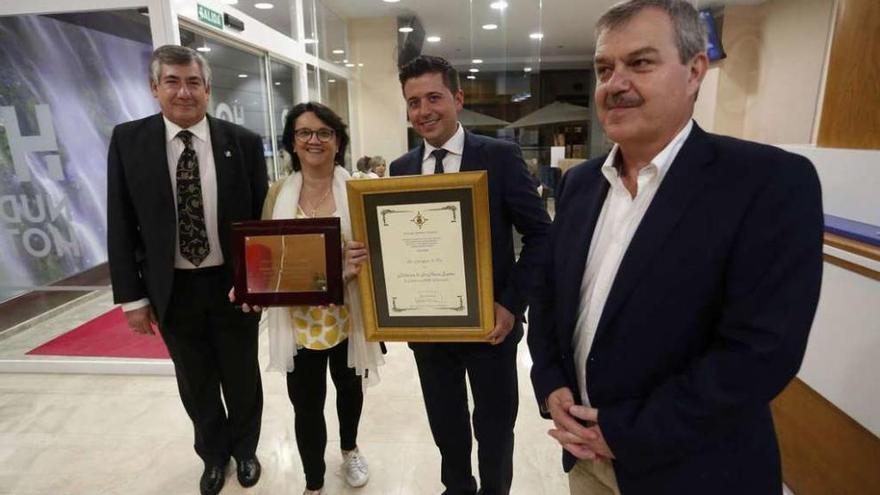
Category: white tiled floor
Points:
column 114, row 434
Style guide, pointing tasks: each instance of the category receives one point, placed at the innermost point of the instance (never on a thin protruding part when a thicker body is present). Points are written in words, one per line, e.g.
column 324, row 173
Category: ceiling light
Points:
column 349, row 65
column 360, row 65
column 390, row 1
column 338, row 52
column 490, row 27
column 477, row 61
column 405, row 29
column 537, row 36
column 242, row 76
column 345, row 61
column 527, row 69
column 498, row 5
column 474, row 70
column 230, row 2
column 263, row 6
column 471, row 77
column 433, row 39
column 277, row 83
column 331, row 80
column 204, row 49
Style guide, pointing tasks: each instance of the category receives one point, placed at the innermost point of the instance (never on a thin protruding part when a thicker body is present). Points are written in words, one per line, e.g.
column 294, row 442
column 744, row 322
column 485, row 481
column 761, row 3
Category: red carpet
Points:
column 105, row 336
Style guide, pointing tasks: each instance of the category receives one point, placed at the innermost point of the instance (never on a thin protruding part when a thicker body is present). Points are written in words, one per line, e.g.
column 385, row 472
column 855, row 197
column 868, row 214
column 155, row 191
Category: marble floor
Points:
column 95, row 434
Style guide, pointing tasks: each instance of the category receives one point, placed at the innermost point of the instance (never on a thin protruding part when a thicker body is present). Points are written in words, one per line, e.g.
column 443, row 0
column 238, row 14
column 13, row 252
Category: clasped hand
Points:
column 584, row 442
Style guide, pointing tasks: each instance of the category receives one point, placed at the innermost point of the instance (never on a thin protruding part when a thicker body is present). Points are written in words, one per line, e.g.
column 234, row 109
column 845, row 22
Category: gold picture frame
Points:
column 428, row 277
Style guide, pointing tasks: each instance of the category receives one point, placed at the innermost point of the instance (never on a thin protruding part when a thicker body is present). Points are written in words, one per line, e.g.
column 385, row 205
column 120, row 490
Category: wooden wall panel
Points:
column 824, row 451
column 851, row 107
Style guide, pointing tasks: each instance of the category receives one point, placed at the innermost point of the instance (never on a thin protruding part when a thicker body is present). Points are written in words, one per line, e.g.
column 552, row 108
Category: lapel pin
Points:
column 228, row 153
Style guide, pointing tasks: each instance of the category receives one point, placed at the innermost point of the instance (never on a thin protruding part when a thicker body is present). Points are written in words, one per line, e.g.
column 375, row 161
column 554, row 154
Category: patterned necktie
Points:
column 191, row 234
column 439, row 154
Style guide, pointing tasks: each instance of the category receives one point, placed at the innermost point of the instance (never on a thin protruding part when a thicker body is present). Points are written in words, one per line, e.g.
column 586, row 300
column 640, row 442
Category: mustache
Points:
column 623, row 100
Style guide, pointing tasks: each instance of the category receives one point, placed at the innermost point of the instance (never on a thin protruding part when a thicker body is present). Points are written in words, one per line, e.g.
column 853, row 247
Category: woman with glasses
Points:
column 304, row 339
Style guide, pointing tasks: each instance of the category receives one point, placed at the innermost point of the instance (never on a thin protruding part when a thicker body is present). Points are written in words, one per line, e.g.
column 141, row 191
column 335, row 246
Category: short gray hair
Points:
column 690, row 32
column 177, row 55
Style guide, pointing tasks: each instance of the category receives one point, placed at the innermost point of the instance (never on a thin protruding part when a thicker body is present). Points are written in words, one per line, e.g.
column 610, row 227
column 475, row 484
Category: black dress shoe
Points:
column 249, row 471
column 212, row 480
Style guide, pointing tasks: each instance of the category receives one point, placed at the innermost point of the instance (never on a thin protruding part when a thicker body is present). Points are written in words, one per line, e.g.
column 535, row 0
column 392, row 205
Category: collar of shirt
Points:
column 455, row 145
column 659, row 164
column 199, row 130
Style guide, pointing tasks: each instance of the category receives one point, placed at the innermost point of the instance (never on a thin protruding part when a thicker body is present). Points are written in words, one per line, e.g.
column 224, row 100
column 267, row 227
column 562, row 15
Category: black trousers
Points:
column 214, row 349
column 491, row 371
column 307, row 389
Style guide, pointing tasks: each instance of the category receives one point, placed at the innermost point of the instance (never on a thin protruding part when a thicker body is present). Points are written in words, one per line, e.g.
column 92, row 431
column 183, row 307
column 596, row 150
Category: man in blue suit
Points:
column 680, row 284
column 433, row 100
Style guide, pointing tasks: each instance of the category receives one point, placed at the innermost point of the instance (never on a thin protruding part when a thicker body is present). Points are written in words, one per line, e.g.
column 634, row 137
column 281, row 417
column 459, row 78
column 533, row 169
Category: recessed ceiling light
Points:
column 471, row 77
column 243, row 76
column 477, row 61
column 527, row 69
column 537, row 36
column 230, row 2
column 490, row 27
column 338, row 52
column 473, row 69
column 331, row 80
column 498, row 5
column 405, row 29
column 360, row 65
column 433, row 39
column 263, row 6
column 349, row 65
column 309, row 41
column 277, row 83
column 390, row 1
column 204, row 49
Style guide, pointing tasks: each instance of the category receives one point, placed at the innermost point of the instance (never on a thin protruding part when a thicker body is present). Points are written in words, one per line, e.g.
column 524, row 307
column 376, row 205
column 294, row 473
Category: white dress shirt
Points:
column 452, row 161
column 208, row 176
column 620, row 217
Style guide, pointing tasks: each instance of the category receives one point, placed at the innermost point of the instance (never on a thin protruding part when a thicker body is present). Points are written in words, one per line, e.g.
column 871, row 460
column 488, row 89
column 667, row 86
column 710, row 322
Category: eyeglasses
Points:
column 304, row 135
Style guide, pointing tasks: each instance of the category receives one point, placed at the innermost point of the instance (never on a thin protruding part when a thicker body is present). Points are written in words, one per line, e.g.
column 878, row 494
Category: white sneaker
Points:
column 355, row 469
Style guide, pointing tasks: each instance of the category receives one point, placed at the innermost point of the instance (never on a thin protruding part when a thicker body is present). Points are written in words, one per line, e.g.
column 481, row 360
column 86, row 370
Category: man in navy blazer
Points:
column 433, row 99
column 680, row 284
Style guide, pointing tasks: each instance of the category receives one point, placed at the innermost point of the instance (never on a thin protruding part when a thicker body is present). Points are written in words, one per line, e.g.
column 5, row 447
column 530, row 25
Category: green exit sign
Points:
column 210, row 17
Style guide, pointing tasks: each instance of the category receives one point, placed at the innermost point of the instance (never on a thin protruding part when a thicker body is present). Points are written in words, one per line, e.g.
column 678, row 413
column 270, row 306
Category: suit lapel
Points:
column 470, row 155
column 154, row 155
column 224, row 153
column 682, row 183
column 588, row 203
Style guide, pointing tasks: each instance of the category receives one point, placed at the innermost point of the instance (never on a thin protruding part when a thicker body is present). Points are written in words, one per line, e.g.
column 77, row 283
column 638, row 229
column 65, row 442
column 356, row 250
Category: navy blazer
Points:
column 513, row 201
column 706, row 321
column 142, row 214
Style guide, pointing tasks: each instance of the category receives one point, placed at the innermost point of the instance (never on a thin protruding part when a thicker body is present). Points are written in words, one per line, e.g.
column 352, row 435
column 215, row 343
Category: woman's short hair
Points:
column 327, row 116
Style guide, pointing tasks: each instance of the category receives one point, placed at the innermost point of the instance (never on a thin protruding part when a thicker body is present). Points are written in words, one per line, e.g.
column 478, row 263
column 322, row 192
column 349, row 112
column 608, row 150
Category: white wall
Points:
column 842, row 361
column 768, row 88
column 377, row 102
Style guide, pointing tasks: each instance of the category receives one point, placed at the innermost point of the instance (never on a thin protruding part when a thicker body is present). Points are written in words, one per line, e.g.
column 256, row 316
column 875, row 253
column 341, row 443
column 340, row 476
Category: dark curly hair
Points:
column 327, row 116
column 427, row 64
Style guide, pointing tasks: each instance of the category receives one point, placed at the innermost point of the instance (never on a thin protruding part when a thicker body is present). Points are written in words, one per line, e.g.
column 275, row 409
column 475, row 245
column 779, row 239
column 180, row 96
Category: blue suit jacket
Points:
column 706, row 322
column 513, row 201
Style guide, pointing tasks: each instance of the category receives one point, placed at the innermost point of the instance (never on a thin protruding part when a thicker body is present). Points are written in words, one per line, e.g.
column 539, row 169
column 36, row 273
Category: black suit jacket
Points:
column 513, row 201
column 141, row 212
column 706, row 321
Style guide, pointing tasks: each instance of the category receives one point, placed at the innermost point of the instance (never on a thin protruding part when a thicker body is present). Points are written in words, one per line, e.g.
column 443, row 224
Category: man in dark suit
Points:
column 682, row 276
column 433, row 99
column 175, row 182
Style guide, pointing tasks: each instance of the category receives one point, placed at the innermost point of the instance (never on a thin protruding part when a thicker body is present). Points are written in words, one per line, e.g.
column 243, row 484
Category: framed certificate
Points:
column 428, row 277
column 288, row 262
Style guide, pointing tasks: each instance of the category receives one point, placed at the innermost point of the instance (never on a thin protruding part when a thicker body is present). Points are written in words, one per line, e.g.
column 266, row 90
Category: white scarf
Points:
column 365, row 357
